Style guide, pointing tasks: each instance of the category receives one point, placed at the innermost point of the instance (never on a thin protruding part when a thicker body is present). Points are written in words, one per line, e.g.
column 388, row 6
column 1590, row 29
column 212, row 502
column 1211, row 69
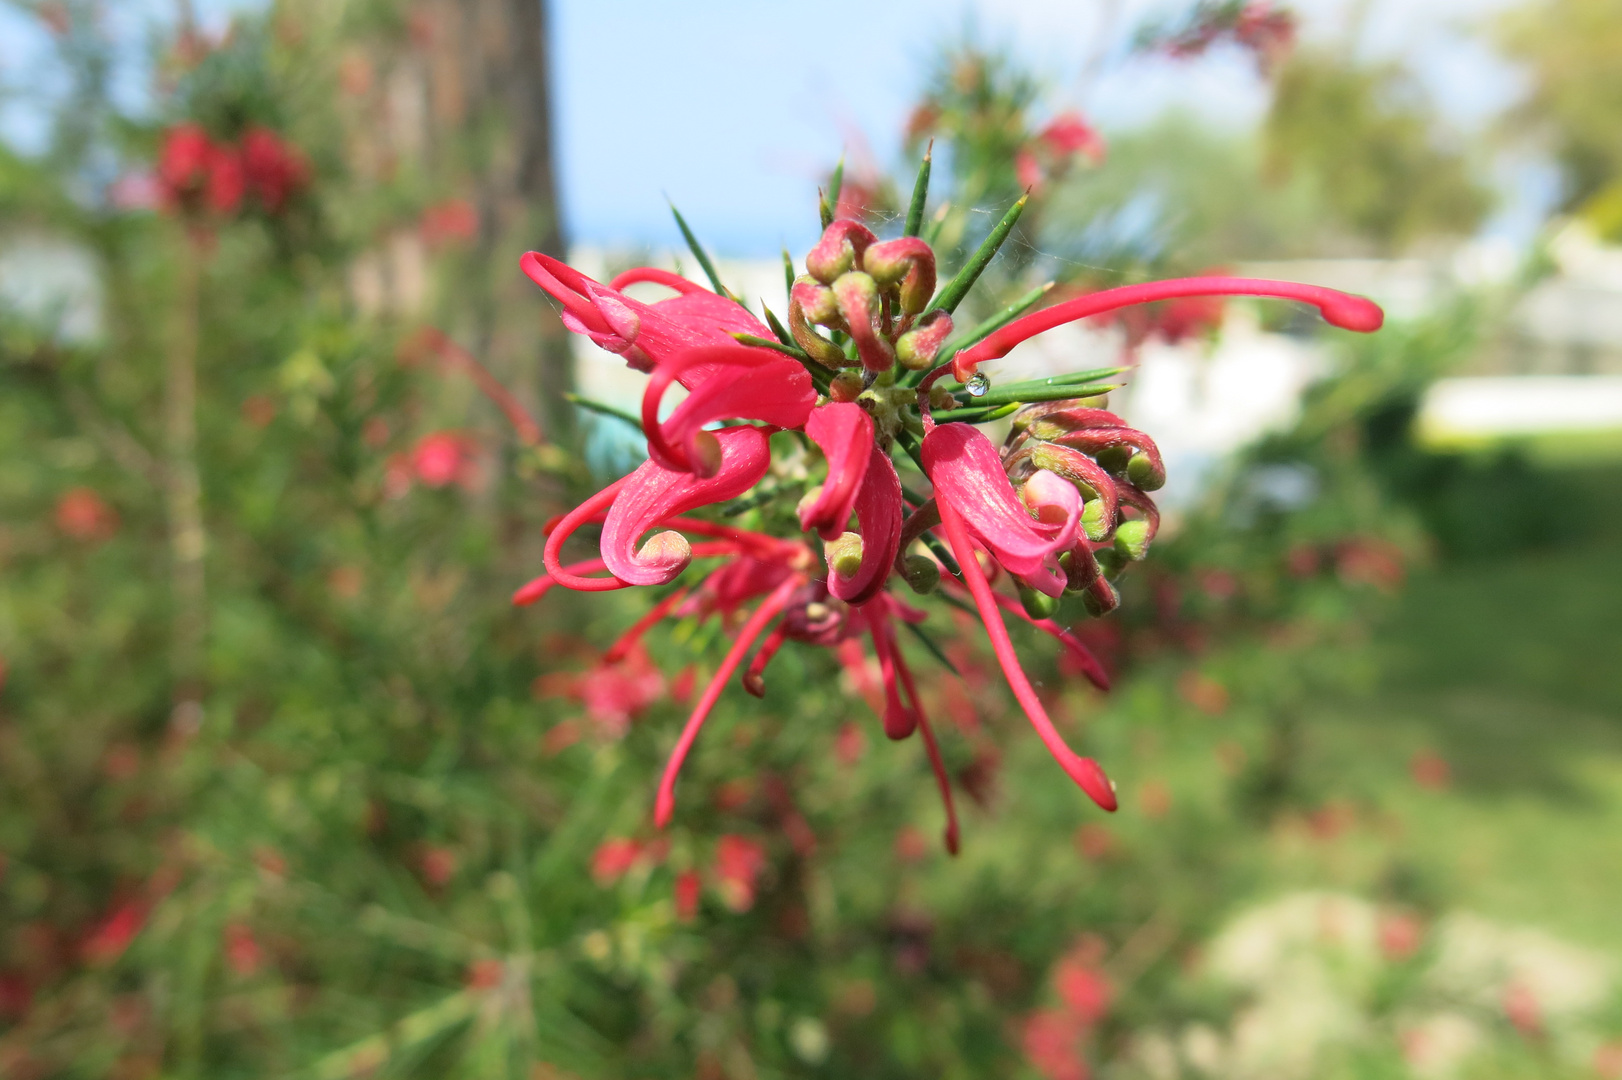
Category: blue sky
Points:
column 733, row 108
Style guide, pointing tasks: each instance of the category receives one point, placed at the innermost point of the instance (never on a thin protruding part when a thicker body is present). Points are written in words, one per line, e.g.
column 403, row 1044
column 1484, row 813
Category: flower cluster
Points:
column 869, row 366
column 198, row 174
column 1262, row 27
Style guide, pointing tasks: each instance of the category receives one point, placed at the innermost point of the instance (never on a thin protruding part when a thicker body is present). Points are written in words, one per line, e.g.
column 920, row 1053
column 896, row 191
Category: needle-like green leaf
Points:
column 920, row 194
column 700, row 254
column 603, row 410
column 956, row 289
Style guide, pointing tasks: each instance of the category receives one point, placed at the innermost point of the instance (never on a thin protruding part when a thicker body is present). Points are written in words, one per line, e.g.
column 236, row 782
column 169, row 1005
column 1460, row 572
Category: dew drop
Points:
column 977, row 385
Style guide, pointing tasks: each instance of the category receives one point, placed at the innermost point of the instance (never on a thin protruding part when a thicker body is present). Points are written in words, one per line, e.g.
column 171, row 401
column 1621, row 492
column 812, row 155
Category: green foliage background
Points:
column 364, row 856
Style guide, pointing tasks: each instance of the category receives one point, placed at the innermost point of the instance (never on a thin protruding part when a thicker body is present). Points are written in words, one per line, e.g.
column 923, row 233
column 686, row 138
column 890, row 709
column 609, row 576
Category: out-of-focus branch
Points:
column 453, row 355
column 183, row 487
column 125, row 449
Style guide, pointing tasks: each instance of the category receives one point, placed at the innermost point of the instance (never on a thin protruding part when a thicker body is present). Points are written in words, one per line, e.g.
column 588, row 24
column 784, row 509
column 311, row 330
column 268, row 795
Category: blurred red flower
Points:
column 1049, row 1041
column 107, row 942
column 738, row 863
column 444, row 457
column 84, row 515
column 1523, row 1010
column 688, row 889
column 613, row 859
column 448, row 222
column 242, row 953
column 1430, row 770
column 1400, row 935
column 437, row 865
column 272, row 168
column 1068, row 134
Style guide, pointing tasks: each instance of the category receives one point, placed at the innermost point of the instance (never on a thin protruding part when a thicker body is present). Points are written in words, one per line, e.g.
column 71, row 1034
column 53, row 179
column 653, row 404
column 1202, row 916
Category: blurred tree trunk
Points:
column 490, row 86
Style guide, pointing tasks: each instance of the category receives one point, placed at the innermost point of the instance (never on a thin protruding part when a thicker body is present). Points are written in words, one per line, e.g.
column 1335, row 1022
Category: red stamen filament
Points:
column 665, row 803
column 753, row 679
column 617, row 651
column 899, row 721
column 935, row 763
column 1084, row 771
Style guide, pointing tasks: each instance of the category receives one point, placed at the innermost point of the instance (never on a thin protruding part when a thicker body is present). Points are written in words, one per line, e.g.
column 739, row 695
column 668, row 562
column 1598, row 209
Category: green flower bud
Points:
column 844, row 555
column 922, row 574
column 1114, row 458
column 846, row 386
column 1132, row 538
column 1038, row 605
column 1097, row 519
column 1147, row 473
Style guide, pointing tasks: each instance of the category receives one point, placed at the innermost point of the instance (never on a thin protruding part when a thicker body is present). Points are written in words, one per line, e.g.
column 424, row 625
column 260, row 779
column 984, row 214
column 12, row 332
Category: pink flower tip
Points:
column 1352, row 313
column 533, row 591
column 1091, row 778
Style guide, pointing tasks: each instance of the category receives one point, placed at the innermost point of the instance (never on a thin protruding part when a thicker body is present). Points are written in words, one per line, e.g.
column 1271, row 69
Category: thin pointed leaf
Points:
column 778, row 329
column 603, row 410
column 824, row 211
column 920, row 194
column 929, row 643
column 835, row 183
column 788, row 271
column 976, row 415
column 1059, row 392
column 700, row 254
column 767, row 343
column 944, row 554
column 956, row 289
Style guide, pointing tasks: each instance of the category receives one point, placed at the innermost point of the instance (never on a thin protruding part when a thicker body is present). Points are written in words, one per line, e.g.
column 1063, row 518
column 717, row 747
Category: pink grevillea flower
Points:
column 1059, row 509
column 645, row 334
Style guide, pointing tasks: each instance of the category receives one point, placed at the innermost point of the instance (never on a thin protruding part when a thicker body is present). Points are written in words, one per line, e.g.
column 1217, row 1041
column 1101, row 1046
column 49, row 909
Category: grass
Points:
column 1507, row 667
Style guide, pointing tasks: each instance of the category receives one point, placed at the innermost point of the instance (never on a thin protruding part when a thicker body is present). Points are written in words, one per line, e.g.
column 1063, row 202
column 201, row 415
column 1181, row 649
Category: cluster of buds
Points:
column 1113, row 467
column 872, row 373
column 198, row 174
column 875, row 294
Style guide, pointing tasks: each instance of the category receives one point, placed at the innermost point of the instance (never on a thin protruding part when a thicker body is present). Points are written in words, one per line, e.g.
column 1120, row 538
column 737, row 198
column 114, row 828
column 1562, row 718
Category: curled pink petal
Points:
column 862, row 308
column 1339, row 309
column 906, row 261
column 744, row 383
column 840, row 248
column 653, row 493
column 566, row 527
column 968, row 472
column 844, row 433
column 878, row 513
